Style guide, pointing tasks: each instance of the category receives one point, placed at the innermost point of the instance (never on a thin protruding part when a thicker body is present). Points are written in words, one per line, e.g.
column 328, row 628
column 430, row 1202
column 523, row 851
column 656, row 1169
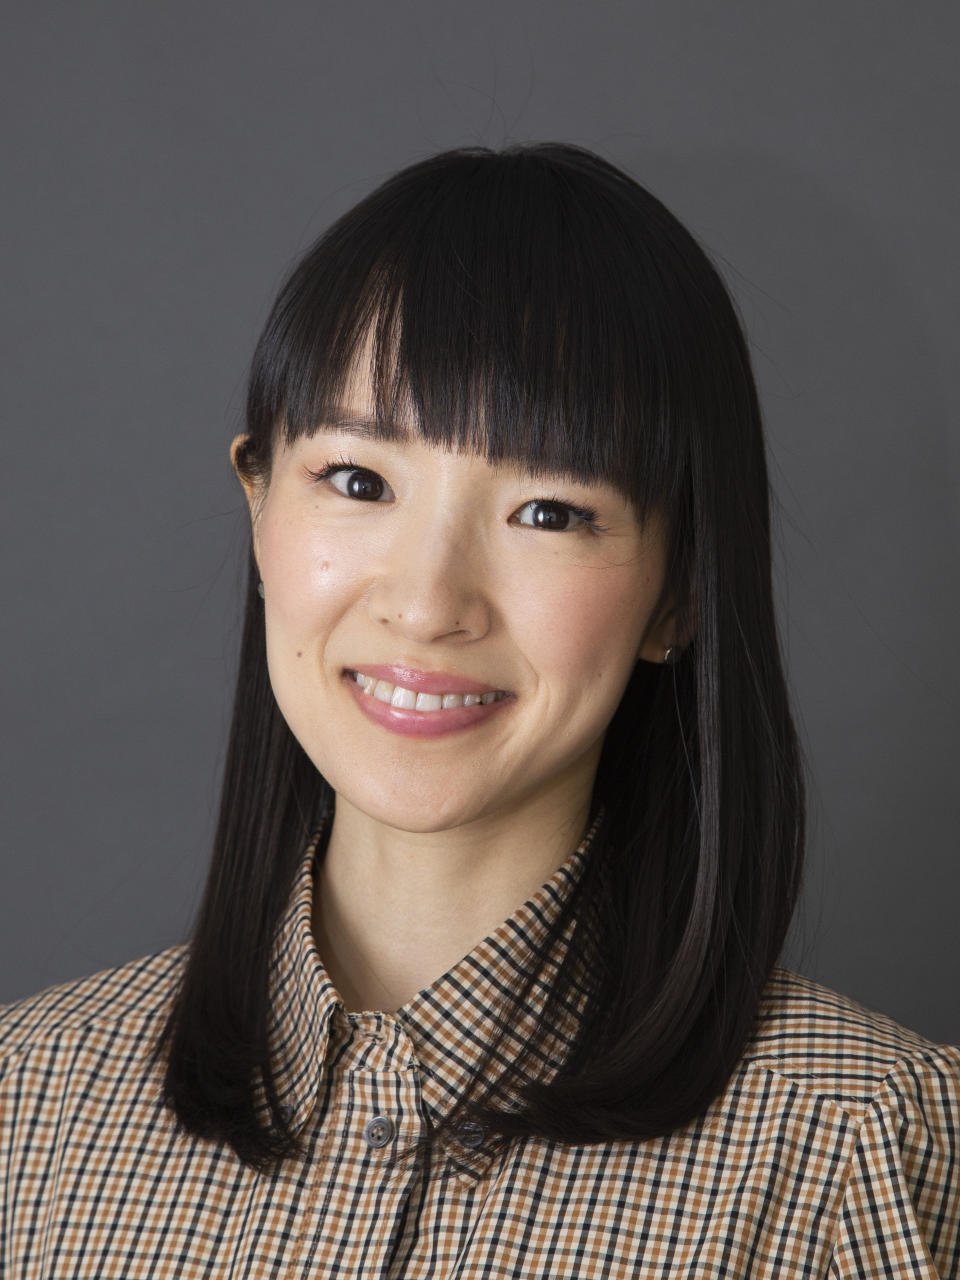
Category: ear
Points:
column 664, row 632
column 237, row 446
column 251, row 489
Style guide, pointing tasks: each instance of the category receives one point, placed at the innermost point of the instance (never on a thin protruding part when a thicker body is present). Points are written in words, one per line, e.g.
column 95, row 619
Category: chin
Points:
column 415, row 809
column 423, row 819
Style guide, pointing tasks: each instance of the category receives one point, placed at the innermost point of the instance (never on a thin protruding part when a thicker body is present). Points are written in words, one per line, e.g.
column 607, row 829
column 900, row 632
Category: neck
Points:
column 394, row 910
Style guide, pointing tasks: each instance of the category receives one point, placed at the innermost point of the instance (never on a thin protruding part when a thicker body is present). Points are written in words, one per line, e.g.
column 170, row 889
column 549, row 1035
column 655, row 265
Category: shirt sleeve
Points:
column 901, row 1209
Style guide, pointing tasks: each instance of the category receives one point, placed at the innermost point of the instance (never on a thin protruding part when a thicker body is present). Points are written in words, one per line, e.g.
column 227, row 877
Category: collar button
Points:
column 470, row 1134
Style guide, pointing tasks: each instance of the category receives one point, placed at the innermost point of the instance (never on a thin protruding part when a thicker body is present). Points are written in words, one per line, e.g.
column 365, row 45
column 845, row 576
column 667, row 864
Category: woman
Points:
column 484, row 979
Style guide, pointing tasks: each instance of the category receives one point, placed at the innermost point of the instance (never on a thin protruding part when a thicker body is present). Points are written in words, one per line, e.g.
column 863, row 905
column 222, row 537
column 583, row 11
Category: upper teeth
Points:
column 398, row 696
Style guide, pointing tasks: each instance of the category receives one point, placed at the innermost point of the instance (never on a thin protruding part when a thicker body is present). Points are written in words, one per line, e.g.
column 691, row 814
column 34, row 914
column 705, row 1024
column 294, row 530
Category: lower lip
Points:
column 423, row 724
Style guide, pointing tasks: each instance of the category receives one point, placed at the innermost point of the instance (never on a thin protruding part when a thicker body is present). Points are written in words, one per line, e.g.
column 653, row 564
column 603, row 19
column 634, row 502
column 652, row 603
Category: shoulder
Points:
column 126, row 1002
column 891, row 1099
column 836, row 1048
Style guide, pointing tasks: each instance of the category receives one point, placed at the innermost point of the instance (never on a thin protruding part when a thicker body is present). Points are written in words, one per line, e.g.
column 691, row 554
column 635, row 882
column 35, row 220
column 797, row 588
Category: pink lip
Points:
column 426, row 681
column 421, row 724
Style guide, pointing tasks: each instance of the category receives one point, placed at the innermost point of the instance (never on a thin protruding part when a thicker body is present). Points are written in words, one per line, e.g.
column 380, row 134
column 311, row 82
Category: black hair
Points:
column 539, row 304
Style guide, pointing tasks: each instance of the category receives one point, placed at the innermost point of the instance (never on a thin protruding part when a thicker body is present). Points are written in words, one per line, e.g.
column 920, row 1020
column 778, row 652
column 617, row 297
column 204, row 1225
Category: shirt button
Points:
column 378, row 1131
column 471, row 1134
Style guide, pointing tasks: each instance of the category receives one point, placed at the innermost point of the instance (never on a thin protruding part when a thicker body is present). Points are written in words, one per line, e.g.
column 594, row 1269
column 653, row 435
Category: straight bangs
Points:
column 498, row 306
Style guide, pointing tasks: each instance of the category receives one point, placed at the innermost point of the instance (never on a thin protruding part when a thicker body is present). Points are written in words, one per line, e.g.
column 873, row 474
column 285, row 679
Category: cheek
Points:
column 308, row 574
column 587, row 627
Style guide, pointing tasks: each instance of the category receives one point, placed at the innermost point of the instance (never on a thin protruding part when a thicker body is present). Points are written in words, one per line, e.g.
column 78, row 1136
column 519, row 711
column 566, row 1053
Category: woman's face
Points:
column 437, row 572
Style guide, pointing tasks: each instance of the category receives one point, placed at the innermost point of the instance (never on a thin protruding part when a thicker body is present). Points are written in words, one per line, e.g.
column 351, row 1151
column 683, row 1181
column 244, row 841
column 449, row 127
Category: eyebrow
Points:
column 365, row 426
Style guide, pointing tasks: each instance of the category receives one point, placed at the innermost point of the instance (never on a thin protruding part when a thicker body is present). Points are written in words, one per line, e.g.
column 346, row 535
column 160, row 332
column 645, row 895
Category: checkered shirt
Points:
column 833, row 1151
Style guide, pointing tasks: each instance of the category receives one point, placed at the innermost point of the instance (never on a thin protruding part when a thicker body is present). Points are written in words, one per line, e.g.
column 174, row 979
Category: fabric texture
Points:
column 833, row 1151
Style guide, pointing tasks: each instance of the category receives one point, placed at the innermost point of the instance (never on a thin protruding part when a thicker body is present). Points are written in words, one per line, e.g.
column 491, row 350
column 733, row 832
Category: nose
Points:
column 433, row 583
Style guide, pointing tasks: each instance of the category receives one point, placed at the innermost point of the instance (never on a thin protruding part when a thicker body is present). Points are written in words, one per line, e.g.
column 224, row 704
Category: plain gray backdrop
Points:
column 164, row 164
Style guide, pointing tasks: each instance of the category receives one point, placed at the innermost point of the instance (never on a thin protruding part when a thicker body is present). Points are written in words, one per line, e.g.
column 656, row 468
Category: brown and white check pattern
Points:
column 833, row 1151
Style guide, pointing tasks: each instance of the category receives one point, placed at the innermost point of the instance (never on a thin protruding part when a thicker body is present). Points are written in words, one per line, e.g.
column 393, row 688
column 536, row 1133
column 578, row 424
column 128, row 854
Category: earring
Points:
column 672, row 655
column 260, row 589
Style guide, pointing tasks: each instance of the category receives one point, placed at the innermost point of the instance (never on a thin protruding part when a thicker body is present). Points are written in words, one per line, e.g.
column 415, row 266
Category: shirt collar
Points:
column 451, row 1023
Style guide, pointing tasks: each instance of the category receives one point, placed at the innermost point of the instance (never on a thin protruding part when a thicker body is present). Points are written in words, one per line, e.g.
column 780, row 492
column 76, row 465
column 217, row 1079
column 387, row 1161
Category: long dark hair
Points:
column 537, row 303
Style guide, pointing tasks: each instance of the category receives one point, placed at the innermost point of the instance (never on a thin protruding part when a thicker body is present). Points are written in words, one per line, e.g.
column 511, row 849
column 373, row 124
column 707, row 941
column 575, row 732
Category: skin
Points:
column 436, row 841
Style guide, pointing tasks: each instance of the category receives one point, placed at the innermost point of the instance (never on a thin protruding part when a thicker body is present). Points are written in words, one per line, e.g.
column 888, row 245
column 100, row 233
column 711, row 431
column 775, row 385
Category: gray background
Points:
column 163, row 165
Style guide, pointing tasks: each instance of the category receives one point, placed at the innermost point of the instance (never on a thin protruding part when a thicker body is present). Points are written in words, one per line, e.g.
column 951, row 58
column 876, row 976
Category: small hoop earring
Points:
column 260, row 590
column 672, row 655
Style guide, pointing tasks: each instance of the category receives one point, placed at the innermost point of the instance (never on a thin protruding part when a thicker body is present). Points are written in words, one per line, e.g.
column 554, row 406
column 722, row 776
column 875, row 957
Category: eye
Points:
column 352, row 481
column 556, row 516
column 359, row 483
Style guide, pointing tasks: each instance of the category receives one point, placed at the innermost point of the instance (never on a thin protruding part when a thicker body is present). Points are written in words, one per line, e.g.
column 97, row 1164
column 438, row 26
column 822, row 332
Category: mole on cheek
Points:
column 299, row 653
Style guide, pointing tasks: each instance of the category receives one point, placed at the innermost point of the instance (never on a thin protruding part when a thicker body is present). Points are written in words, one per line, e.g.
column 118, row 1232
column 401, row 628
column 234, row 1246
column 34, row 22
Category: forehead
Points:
column 360, row 413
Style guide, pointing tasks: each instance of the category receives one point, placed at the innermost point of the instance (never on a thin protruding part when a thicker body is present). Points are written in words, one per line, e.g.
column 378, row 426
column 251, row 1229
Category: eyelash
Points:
column 587, row 515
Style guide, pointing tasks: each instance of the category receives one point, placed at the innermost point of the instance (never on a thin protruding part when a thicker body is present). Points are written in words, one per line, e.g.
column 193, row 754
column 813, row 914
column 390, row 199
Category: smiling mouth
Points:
column 410, row 700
